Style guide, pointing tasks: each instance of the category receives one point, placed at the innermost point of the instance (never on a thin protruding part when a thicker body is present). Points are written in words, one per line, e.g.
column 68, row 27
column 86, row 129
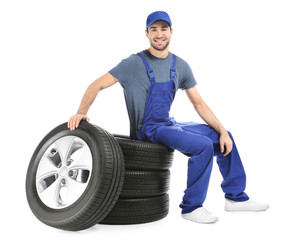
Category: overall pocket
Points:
column 162, row 101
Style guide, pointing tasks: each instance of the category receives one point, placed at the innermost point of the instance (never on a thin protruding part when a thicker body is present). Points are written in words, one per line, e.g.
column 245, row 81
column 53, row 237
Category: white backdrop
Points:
column 244, row 55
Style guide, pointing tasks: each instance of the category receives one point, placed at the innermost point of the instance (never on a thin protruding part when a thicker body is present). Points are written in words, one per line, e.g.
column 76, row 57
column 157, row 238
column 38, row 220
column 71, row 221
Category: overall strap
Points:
column 173, row 68
column 149, row 70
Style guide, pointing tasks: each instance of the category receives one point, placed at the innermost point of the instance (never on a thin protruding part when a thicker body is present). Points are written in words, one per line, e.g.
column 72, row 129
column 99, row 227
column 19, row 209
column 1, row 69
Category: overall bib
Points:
column 198, row 141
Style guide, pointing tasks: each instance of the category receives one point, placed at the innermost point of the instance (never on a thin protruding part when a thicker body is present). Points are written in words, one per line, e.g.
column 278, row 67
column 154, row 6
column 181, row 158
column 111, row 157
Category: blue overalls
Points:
column 198, row 141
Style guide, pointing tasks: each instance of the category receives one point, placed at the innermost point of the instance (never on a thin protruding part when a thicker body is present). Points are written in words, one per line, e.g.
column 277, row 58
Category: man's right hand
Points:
column 75, row 120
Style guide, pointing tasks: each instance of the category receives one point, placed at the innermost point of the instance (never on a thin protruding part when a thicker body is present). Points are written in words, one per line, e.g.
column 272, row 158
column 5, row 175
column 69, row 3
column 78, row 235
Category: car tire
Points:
column 140, row 155
column 139, row 210
column 75, row 177
column 142, row 184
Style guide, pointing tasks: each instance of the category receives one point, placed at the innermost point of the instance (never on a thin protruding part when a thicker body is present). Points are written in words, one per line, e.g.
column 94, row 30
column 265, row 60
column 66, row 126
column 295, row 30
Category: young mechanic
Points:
column 150, row 80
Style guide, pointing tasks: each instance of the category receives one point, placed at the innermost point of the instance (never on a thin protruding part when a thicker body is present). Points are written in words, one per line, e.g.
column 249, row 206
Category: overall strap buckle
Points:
column 149, row 70
column 173, row 73
column 150, row 73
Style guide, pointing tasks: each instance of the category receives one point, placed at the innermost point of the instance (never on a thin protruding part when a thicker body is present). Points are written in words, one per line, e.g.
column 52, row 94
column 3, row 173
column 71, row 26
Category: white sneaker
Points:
column 200, row 215
column 249, row 205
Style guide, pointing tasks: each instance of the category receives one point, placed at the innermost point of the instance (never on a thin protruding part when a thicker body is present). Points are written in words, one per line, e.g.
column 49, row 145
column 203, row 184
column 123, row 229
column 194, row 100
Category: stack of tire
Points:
column 79, row 178
column 144, row 196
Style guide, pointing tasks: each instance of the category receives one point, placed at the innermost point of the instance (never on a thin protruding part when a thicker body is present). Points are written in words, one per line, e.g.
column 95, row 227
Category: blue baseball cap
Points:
column 159, row 15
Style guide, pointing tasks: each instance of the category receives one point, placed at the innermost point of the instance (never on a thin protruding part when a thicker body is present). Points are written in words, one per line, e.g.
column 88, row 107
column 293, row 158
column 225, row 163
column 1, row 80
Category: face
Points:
column 159, row 35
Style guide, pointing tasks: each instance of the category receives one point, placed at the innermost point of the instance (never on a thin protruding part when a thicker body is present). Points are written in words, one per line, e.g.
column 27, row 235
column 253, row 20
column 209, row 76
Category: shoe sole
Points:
column 202, row 222
column 246, row 210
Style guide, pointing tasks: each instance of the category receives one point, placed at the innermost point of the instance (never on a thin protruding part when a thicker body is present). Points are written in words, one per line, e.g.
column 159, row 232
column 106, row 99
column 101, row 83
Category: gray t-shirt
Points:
column 132, row 75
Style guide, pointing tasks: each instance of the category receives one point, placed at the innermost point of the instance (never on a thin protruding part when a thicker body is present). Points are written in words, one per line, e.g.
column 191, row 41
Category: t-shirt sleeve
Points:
column 187, row 78
column 124, row 69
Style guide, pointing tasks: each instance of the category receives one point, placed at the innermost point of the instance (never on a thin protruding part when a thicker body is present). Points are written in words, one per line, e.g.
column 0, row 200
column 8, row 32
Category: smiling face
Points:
column 159, row 35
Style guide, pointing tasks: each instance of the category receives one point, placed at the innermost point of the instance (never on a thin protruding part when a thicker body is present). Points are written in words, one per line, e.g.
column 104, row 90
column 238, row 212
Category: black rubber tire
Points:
column 142, row 184
column 140, row 155
column 102, row 191
column 135, row 211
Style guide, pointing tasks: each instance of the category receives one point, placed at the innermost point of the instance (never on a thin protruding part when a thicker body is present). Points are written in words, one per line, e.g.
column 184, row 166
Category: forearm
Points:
column 209, row 117
column 88, row 99
column 94, row 88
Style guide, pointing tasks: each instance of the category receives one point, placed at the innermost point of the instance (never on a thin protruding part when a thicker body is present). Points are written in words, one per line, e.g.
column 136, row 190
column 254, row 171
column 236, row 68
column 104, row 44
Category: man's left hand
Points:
column 226, row 143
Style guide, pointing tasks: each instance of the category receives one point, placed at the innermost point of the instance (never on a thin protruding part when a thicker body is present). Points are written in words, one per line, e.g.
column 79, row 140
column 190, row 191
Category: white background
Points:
column 244, row 55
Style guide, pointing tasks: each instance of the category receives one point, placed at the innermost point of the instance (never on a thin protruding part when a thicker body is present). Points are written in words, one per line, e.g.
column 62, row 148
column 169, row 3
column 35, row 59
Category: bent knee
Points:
column 203, row 145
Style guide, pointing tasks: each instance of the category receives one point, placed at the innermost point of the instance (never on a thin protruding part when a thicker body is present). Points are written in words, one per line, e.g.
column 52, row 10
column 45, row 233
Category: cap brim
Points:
column 158, row 20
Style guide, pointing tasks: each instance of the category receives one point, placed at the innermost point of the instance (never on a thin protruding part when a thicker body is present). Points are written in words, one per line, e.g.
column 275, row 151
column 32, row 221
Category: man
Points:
column 150, row 80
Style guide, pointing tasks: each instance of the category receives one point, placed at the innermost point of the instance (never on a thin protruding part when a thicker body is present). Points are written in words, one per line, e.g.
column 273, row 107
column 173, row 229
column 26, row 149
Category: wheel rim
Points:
column 64, row 172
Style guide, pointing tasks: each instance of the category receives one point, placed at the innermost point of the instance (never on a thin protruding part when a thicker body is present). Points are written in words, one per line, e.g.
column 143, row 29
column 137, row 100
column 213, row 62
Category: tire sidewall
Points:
column 50, row 215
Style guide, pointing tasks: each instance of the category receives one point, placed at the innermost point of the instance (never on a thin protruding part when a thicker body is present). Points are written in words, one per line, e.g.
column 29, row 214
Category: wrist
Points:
column 82, row 111
column 222, row 131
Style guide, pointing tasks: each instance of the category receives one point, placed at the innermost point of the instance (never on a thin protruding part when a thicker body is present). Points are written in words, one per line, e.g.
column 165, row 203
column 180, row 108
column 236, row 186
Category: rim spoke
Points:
column 46, row 168
column 81, row 159
column 50, row 196
column 75, row 147
column 64, row 146
column 74, row 190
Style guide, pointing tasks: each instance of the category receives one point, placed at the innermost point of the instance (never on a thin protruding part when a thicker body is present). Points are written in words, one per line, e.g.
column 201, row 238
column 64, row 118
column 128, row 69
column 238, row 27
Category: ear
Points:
column 146, row 33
